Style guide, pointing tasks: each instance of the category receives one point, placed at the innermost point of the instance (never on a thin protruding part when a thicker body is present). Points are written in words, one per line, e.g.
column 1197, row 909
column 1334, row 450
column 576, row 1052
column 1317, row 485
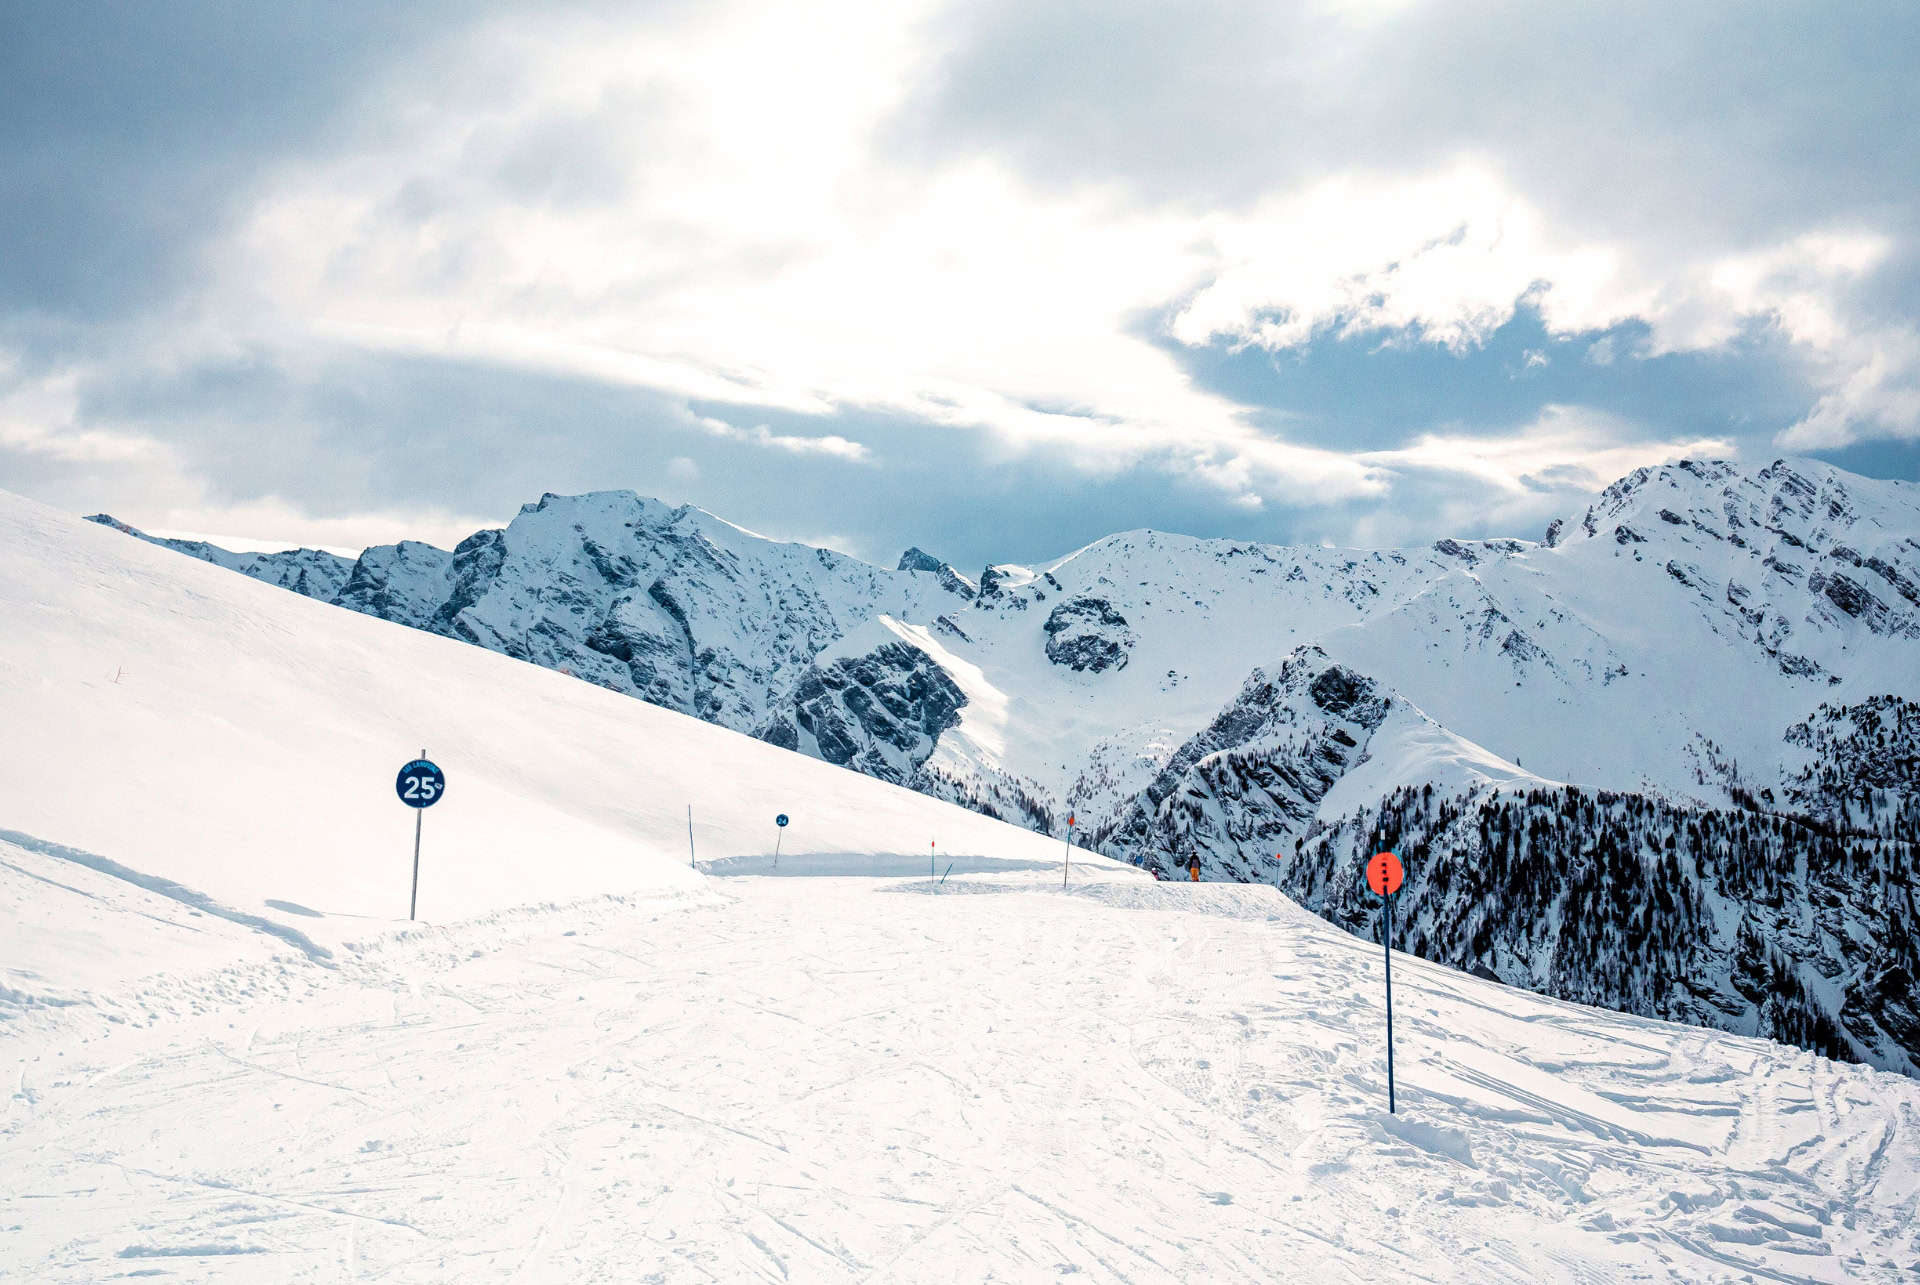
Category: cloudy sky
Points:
column 992, row 278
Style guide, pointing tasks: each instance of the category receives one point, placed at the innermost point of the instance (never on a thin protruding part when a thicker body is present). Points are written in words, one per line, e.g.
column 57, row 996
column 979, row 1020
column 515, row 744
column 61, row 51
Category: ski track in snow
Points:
column 883, row 1079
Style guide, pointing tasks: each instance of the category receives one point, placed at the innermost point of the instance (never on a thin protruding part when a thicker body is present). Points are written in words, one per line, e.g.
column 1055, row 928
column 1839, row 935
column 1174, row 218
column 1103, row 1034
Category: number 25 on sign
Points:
column 419, row 785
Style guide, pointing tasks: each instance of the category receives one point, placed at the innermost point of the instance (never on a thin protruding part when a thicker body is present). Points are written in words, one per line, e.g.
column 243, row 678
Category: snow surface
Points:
column 178, row 720
column 835, row 1079
column 229, row 1059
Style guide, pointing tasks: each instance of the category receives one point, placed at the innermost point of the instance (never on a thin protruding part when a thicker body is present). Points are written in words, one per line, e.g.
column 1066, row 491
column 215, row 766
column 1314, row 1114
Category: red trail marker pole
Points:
column 1385, row 876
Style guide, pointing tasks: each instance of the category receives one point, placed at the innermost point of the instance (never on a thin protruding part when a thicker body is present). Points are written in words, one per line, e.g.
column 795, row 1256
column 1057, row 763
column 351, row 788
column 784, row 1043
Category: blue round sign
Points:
column 420, row 784
column 781, row 820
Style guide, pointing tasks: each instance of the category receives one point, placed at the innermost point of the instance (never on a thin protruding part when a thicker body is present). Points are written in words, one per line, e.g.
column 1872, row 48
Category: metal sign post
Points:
column 1067, row 868
column 779, row 832
column 1385, row 876
column 420, row 785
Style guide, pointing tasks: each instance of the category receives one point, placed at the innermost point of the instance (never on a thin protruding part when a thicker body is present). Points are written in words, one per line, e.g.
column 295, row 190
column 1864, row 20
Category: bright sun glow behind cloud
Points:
column 737, row 207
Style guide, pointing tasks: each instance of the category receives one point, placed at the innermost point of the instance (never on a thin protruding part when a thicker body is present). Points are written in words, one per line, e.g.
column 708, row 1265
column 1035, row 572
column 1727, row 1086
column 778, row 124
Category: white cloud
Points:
column 145, row 482
column 707, row 202
column 37, row 417
column 1565, row 448
column 765, row 252
column 760, row 435
column 1450, row 257
column 1463, row 483
column 1877, row 393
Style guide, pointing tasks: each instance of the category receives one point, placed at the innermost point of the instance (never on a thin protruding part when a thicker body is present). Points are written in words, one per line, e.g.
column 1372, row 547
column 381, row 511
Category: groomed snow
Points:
column 848, row 1079
column 228, row 1058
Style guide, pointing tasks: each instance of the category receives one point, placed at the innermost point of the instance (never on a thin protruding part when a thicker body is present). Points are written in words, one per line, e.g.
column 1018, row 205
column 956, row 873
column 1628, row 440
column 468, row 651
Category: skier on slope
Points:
column 1193, row 867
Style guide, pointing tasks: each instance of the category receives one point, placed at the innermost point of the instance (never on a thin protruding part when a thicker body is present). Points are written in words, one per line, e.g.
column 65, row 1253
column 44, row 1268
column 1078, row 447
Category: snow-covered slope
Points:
column 225, row 1063
column 1704, row 636
column 234, row 747
column 842, row 1080
column 1668, row 638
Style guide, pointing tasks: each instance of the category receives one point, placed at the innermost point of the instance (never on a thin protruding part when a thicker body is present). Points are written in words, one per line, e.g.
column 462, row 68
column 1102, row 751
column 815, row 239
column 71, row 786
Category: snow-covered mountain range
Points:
column 1661, row 759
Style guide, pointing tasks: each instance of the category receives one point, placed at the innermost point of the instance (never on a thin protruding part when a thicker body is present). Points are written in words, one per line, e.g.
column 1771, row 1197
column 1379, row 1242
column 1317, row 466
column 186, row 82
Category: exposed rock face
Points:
column 1793, row 918
column 406, row 582
column 917, row 559
column 949, row 579
column 880, row 713
column 1251, row 784
column 1088, row 634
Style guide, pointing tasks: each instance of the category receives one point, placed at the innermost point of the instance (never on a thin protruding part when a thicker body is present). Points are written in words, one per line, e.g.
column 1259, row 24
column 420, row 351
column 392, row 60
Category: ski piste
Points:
column 591, row 1058
column 1239, row 703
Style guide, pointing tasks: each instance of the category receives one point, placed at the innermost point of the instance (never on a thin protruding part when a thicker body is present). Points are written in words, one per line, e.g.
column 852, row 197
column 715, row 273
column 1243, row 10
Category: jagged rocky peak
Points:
column 624, row 504
column 917, row 559
column 1785, row 552
column 1086, row 634
column 1803, row 503
column 405, row 582
column 1340, row 691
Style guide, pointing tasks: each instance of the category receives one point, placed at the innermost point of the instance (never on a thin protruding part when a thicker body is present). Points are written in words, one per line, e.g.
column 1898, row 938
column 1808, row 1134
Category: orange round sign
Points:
column 1384, row 874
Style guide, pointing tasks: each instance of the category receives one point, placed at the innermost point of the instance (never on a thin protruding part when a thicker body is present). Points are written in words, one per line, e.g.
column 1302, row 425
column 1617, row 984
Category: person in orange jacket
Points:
column 1193, row 867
